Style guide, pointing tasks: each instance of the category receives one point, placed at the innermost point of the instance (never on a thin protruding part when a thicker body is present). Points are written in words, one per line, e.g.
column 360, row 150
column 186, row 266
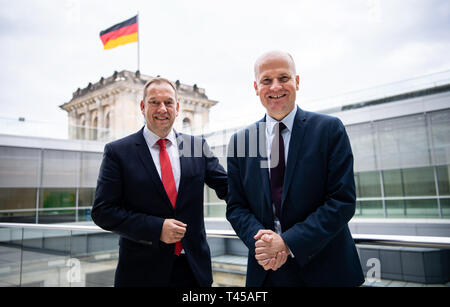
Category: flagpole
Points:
column 138, row 57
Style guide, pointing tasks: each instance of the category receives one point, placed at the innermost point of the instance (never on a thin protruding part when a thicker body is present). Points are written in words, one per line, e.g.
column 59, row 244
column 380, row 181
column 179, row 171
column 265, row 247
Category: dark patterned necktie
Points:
column 277, row 168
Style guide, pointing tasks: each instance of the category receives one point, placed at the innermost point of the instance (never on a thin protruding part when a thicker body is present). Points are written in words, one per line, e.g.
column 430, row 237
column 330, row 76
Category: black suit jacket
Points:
column 318, row 200
column 130, row 200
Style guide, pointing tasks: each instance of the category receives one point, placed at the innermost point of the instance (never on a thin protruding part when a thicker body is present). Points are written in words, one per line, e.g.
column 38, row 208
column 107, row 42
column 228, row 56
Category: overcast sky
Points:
column 49, row 48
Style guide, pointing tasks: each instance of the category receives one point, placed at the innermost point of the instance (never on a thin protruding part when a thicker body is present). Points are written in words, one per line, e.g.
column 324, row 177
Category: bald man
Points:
column 291, row 202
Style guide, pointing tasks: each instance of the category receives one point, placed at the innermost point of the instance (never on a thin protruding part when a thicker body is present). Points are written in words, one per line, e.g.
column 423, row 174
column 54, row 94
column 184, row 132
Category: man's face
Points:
column 160, row 108
column 276, row 85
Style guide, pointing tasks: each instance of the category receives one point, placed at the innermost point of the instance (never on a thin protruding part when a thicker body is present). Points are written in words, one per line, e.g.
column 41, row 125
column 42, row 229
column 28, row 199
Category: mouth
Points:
column 161, row 118
column 275, row 97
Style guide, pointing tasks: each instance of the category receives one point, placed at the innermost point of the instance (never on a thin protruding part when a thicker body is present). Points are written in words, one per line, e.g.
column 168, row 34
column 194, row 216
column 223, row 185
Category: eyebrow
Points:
column 154, row 98
column 278, row 76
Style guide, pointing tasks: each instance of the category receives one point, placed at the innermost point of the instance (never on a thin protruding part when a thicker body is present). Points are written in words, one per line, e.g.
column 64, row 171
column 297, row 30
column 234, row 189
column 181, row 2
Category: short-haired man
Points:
column 150, row 192
column 293, row 214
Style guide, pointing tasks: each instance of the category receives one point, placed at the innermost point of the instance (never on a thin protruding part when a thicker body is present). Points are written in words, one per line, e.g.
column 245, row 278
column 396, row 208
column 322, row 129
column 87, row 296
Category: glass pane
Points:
column 215, row 210
column 10, row 255
column 86, row 197
column 356, row 177
column 445, row 207
column 422, row 208
column 409, row 182
column 84, row 215
column 212, row 196
column 90, row 166
column 13, row 199
column 60, row 168
column 214, row 206
column 368, row 184
column 357, row 209
column 19, row 167
column 443, row 174
column 392, row 181
column 57, row 198
column 371, row 208
column 440, row 129
column 16, row 198
column 395, row 208
column 46, row 257
column 94, row 258
column 362, row 142
column 419, row 181
column 402, row 142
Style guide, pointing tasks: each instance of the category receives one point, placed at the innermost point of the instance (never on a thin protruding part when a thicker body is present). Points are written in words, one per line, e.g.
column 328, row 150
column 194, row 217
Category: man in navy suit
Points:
column 291, row 188
column 150, row 192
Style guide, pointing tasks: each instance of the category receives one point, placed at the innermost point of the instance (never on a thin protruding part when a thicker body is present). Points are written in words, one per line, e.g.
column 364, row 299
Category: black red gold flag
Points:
column 120, row 34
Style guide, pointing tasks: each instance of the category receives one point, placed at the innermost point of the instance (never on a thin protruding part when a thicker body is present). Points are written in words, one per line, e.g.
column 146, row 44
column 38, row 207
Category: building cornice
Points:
column 127, row 81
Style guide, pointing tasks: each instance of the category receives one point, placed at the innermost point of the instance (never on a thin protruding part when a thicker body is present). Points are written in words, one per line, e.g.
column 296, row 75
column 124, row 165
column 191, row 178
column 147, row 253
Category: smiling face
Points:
column 160, row 108
column 276, row 83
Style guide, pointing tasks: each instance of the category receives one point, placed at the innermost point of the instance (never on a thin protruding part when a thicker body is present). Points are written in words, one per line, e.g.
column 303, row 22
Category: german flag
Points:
column 120, row 34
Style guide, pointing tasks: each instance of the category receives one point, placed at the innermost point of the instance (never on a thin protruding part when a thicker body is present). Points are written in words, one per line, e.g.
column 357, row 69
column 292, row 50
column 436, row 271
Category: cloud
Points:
column 50, row 48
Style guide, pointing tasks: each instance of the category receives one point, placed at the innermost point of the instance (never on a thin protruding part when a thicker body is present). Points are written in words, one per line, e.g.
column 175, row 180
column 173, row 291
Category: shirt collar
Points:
column 288, row 121
column 151, row 138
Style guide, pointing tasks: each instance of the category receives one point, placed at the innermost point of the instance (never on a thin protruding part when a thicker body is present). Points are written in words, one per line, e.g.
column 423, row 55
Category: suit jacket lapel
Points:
column 147, row 160
column 184, row 163
column 295, row 149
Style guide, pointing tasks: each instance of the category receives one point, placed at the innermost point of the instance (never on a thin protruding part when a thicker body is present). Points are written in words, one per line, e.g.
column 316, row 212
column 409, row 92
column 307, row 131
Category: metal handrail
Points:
column 371, row 239
column 396, row 240
column 66, row 227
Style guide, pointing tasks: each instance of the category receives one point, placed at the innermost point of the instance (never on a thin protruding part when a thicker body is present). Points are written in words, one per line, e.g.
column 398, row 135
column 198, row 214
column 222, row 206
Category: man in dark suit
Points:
column 292, row 209
column 150, row 192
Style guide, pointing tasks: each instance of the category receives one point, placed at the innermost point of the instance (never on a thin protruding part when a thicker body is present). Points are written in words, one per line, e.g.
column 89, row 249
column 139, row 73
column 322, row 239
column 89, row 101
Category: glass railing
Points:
column 37, row 255
column 56, row 256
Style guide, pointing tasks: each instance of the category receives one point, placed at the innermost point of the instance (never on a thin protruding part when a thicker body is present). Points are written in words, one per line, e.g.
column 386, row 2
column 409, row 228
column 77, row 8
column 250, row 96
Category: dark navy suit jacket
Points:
column 317, row 203
column 130, row 200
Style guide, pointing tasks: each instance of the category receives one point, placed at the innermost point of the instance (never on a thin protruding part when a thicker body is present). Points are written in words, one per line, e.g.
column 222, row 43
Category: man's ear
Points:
column 255, row 85
column 142, row 107
column 297, row 82
column 177, row 109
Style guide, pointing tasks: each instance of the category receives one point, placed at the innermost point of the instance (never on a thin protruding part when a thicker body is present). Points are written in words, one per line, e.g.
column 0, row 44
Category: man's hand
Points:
column 172, row 231
column 270, row 249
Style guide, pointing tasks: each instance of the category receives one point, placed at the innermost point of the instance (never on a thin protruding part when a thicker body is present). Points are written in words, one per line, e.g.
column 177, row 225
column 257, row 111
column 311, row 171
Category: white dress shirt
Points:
column 288, row 121
column 172, row 149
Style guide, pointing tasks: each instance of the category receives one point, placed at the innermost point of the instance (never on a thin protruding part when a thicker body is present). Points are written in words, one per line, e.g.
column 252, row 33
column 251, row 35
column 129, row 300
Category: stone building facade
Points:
column 109, row 109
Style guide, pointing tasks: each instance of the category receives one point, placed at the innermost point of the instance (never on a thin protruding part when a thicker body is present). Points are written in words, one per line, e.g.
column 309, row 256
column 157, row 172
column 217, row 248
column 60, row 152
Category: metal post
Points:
column 138, row 56
column 39, row 186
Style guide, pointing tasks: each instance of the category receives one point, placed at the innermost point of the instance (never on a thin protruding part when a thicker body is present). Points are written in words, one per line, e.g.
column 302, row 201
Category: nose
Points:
column 276, row 85
column 162, row 108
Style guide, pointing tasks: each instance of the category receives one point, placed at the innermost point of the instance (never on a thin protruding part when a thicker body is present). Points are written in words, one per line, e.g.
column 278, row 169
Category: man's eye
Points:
column 265, row 81
column 284, row 79
column 154, row 103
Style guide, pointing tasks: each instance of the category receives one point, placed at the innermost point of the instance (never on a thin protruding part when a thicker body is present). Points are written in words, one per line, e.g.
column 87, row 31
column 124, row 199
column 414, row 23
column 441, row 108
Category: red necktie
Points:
column 168, row 181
